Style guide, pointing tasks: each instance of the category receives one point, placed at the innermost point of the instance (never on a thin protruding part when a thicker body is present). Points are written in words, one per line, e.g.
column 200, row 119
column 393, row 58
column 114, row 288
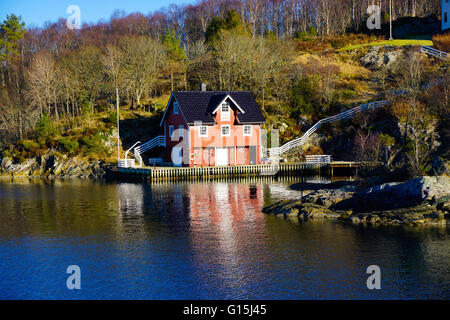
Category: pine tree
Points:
column 11, row 31
column 175, row 52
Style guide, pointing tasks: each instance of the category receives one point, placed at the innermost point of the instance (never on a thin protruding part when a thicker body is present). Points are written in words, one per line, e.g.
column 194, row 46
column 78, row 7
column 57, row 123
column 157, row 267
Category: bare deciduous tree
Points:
column 143, row 59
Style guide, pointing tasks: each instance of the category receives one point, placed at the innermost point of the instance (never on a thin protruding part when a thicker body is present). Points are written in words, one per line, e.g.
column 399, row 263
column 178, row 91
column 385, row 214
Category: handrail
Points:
column 155, row 142
column 126, row 152
column 276, row 151
column 318, row 158
column 434, row 52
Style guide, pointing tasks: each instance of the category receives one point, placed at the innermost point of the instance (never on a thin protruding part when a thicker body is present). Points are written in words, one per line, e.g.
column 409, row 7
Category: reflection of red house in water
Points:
column 212, row 128
column 224, row 204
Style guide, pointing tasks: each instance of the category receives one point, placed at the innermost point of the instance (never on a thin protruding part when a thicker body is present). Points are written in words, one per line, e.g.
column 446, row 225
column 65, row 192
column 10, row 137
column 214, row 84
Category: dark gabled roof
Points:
column 199, row 105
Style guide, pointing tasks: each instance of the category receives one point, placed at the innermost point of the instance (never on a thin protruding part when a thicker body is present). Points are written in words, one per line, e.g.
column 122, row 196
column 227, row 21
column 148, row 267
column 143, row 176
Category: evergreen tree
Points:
column 175, row 53
column 11, row 31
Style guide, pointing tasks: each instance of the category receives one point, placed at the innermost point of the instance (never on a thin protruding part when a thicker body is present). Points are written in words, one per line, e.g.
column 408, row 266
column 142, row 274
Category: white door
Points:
column 221, row 157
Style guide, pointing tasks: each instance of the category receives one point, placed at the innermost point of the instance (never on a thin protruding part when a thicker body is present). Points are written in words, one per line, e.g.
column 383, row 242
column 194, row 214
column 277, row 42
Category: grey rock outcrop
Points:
column 417, row 202
column 53, row 165
column 390, row 196
column 379, row 57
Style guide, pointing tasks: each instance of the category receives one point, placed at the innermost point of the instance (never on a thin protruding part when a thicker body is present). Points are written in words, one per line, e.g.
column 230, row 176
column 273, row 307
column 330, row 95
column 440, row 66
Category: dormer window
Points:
column 175, row 107
column 225, row 114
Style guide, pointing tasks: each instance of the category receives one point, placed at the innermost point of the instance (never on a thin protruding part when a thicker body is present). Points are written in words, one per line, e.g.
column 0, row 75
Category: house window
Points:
column 170, row 131
column 225, row 131
column 445, row 17
column 181, row 131
column 175, row 107
column 225, row 115
column 247, row 130
column 203, row 131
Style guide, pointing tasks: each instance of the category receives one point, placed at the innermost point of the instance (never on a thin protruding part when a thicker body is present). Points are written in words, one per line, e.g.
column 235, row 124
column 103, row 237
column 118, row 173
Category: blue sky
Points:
column 36, row 12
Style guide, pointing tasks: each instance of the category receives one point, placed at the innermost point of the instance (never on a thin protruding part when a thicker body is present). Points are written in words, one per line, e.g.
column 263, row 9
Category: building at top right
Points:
column 445, row 9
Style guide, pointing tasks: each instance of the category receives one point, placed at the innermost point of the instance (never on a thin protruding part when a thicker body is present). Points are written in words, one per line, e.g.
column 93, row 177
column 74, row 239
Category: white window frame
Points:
column 180, row 131
column 200, row 132
column 247, row 134
column 176, row 106
column 229, row 130
column 171, row 128
column 225, row 116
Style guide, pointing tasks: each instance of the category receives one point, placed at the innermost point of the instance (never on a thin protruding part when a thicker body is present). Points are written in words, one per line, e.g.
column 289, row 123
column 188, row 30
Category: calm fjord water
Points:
column 200, row 241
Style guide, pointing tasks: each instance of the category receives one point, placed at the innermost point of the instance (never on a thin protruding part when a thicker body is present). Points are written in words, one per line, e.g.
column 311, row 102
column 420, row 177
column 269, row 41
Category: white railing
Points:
column 158, row 141
column 126, row 163
column 434, row 53
column 318, row 158
column 341, row 116
column 126, row 152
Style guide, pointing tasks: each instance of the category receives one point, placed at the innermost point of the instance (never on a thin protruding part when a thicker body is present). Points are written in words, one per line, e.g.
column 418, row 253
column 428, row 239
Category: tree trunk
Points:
column 171, row 77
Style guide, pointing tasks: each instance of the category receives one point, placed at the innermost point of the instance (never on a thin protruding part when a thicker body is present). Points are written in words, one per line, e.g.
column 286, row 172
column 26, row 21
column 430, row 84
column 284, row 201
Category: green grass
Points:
column 397, row 42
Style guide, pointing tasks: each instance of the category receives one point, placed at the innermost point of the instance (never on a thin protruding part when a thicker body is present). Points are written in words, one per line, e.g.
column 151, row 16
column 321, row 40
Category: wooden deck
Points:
column 343, row 164
column 184, row 173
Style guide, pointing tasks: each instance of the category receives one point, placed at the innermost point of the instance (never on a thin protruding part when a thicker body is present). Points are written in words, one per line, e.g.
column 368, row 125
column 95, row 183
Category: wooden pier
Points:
column 343, row 164
column 269, row 170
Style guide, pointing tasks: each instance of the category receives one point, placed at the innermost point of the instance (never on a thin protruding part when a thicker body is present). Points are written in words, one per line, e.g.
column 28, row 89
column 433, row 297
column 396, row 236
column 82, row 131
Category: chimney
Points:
column 203, row 87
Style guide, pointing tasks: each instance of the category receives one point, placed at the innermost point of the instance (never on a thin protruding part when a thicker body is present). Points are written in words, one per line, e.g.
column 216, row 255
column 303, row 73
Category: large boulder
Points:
column 380, row 57
column 326, row 197
column 398, row 195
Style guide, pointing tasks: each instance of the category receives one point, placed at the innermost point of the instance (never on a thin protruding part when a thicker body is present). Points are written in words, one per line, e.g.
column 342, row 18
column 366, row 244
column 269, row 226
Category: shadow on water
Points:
column 201, row 241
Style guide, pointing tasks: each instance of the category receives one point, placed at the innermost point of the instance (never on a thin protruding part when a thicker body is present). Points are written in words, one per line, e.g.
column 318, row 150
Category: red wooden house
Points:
column 212, row 128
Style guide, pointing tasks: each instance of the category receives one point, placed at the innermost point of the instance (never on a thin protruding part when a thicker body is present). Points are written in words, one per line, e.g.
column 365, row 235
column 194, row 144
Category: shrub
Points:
column 312, row 31
column 69, row 144
column 387, row 140
column 30, row 145
column 44, row 127
column 111, row 117
column 7, row 153
column 347, row 94
column 302, row 93
column 93, row 143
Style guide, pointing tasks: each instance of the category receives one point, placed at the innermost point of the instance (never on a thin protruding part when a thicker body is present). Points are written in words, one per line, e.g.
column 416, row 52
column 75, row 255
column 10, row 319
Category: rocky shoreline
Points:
column 417, row 202
column 54, row 165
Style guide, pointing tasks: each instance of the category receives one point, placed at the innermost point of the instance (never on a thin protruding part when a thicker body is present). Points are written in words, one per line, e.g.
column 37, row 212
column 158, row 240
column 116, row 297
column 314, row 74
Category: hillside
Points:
column 63, row 102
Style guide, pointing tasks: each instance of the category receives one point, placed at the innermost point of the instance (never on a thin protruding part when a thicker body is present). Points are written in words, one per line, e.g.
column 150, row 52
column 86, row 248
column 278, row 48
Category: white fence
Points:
column 126, row 163
column 341, row 116
column 318, row 158
column 434, row 53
